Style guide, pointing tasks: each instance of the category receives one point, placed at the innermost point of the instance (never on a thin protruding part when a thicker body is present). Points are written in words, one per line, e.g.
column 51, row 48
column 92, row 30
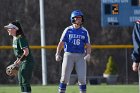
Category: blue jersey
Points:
column 75, row 39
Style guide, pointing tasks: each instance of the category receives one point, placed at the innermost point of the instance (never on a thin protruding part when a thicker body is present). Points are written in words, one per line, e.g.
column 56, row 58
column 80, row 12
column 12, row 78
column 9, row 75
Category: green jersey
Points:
column 19, row 43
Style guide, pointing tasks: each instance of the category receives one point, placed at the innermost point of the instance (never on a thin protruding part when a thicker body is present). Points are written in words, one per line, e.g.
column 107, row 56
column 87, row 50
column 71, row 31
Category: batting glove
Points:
column 87, row 57
column 58, row 57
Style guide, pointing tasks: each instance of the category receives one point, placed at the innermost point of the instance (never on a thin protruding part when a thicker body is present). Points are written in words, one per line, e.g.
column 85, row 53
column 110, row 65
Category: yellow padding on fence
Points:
column 92, row 46
column 111, row 46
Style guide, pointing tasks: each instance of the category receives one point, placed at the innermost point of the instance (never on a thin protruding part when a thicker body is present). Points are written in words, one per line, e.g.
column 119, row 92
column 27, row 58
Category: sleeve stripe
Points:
column 88, row 37
column 87, row 34
column 64, row 33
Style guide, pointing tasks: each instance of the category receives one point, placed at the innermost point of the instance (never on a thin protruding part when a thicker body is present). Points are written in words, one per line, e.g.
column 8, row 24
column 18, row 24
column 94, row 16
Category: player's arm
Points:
column 58, row 51
column 88, row 48
column 59, row 47
column 23, row 57
column 88, row 52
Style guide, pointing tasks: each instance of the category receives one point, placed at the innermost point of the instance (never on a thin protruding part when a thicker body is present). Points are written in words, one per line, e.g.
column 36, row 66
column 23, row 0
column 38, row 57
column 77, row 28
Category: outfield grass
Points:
column 74, row 89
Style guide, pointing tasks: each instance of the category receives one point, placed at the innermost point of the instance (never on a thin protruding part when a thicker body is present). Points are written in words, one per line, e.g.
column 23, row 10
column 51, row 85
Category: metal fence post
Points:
column 126, row 70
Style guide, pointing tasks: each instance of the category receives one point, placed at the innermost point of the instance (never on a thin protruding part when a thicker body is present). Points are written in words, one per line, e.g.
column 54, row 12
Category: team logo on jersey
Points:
column 76, row 36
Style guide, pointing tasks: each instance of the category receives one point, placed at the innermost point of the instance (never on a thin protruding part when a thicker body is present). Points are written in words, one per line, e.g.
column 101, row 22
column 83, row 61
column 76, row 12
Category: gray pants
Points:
column 69, row 60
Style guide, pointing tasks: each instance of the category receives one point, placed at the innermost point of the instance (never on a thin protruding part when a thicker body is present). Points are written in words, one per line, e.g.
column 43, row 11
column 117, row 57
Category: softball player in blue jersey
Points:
column 74, row 39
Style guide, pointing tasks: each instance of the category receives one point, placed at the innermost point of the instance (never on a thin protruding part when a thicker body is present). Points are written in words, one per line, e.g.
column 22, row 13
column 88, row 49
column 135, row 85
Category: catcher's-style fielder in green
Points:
column 22, row 52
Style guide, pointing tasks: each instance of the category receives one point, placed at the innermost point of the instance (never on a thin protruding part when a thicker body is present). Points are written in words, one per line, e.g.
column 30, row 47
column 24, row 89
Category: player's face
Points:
column 78, row 20
column 11, row 31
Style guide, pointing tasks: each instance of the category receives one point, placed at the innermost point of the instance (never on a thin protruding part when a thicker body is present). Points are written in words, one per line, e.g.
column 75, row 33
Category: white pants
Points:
column 69, row 60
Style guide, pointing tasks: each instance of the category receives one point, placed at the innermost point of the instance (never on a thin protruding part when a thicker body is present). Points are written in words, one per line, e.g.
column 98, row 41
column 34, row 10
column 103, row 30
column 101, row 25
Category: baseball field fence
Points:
column 125, row 75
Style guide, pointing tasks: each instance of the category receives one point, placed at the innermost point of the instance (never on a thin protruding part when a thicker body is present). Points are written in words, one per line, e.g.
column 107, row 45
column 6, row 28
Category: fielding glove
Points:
column 12, row 70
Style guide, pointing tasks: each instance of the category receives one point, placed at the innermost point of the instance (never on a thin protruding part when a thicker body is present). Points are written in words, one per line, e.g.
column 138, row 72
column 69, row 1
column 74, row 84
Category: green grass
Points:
column 74, row 89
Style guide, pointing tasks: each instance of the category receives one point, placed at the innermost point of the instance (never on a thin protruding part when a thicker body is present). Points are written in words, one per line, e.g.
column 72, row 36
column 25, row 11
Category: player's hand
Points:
column 17, row 62
column 135, row 66
column 87, row 57
column 58, row 57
